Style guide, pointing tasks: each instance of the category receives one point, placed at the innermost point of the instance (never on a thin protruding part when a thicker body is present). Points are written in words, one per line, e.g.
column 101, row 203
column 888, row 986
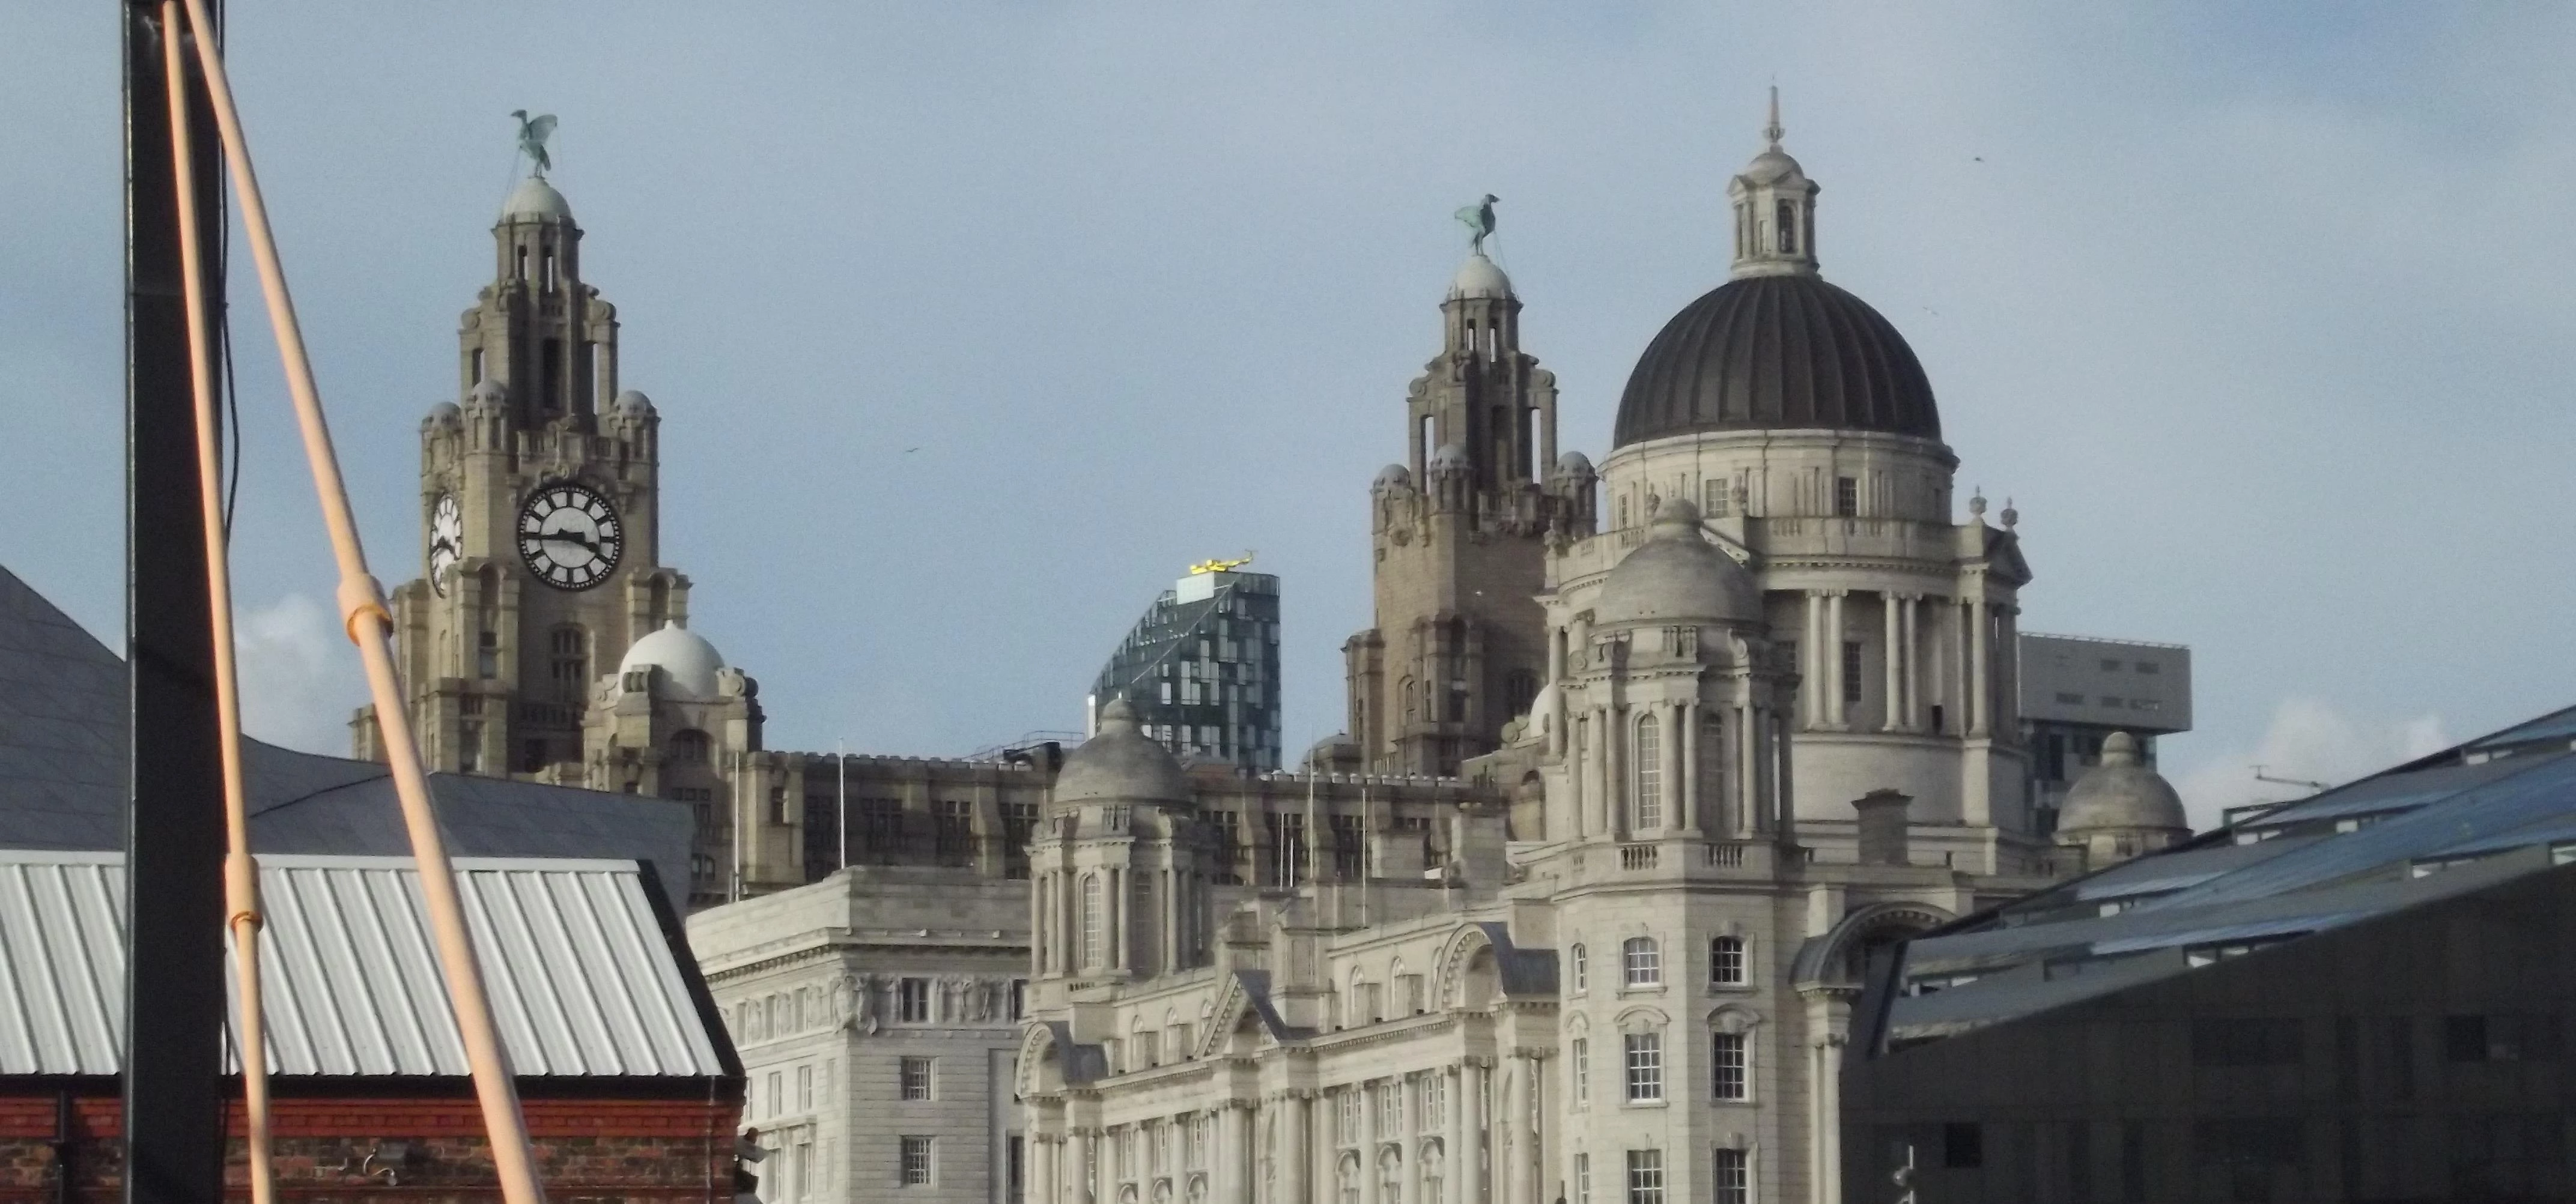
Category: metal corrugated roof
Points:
column 582, row 978
column 2222, row 933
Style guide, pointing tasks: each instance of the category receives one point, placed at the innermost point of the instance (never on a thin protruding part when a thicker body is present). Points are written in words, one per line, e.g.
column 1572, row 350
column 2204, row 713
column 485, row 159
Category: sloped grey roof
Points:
column 1523, row 973
column 2425, row 831
column 63, row 775
column 584, row 978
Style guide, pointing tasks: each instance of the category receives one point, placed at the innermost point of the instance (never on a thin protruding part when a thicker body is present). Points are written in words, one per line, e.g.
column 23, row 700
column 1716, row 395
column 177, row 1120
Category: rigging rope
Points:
column 362, row 611
column 241, row 873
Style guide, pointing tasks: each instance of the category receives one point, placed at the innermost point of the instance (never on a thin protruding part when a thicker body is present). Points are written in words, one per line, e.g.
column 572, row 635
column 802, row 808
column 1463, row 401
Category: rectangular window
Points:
column 777, row 1094
column 1019, row 998
column 1435, row 1100
column 1846, row 497
column 2233, row 1042
column 1644, row 961
column 955, row 834
column 1726, row 961
column 1851, row 672
column 916, row 1162
column 1645, row 1177
column 1715, row 492
column 912, row 1001
column 1581, row 1056
column 2503, row 1038
column 1645, row 1066
column 1578, row 969
column 916, row 1078
column 1583, row 1179
column 1734, row 1177
column 804, row 1088
column 1728, row 1064
column 1351, row 1104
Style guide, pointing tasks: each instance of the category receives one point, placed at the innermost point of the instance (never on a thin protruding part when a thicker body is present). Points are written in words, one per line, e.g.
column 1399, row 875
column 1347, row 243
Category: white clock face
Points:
column 569, row 535
column 446, row 541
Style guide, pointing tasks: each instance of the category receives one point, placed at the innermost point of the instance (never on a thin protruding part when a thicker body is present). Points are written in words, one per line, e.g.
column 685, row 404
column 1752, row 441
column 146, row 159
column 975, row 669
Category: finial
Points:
column 533, row 132
column 1773, row 130
column 1977, row 504
column 2011, row 515
column 1479, row 220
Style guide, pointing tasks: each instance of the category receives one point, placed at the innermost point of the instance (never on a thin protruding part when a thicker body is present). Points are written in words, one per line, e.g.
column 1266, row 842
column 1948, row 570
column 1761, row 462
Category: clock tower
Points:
column 540, row 523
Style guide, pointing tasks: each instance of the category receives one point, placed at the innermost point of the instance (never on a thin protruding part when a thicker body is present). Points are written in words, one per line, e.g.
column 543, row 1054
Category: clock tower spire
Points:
column 540, row 516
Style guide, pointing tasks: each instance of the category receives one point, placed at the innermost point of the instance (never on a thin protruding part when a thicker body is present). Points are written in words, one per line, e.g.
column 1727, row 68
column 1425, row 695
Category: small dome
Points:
column 1772, row 166
column 1677, row 576
column 635, row 404
column 445, row 413
column 1574, row 464
column 683, row 656
column 1450, row 458
column 538, row 200
column 1393, row 476
column 1478, row 278
column 487, row 392
column 2121, row 793
column 1119, row 764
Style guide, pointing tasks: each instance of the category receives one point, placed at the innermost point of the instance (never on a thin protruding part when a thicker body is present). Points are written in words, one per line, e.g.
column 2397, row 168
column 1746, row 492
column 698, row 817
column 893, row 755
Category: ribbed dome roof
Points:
column 534, row 198
column 2121, row 793
column 1782, row 352
column 687, row 661
column 1677, row 576
column 1119, row 763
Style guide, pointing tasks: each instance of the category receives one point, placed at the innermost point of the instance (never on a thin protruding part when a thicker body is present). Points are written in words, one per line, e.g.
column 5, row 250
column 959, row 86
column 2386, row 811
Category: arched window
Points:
column 1726, row 962
column 689, row 747
column 1575, row 956
column 1649, row 810
column 1788, row 217
column 1408, row 702
column 1641, row 963
column 1094, row 921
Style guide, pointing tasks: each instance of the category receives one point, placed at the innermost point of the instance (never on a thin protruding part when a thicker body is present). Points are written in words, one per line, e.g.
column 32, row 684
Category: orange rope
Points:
column 241, row 874
column 362, row 611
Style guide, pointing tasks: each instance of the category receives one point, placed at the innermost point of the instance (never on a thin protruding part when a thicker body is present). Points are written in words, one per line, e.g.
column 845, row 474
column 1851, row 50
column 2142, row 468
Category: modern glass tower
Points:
column 1202, row 669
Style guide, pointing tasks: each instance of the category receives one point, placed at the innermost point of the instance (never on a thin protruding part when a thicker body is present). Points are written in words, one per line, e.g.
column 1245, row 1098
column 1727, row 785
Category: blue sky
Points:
column 2256, row 311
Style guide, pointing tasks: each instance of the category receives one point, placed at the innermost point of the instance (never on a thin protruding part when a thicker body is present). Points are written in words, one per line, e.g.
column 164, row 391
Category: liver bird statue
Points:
column 1479, row 219
column 533, row 132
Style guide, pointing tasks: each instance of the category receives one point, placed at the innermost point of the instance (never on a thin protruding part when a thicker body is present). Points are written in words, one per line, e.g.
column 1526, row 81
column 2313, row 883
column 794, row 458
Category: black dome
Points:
column 1776, row 353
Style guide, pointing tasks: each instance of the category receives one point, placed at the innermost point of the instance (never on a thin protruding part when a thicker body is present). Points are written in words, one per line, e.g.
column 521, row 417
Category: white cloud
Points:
column 299, row 676
column 2309, row 740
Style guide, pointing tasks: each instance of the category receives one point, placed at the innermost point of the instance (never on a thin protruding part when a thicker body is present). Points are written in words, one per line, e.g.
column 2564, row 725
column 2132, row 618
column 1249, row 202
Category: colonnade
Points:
column 1473, row 1122
column 1177, row 937
column 1933, row 650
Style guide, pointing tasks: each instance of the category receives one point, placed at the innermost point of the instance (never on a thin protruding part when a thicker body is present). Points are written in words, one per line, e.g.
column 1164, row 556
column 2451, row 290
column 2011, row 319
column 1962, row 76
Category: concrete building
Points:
column 1202, row 668
column 877, row 1012
column 2362, row 995
column 2078, row 690
column 1761, row 742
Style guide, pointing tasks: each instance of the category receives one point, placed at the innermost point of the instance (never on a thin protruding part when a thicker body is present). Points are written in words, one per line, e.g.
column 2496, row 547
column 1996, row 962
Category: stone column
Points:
column 1686, row 716
column 1295, row 1160
column 1748, row 768
column 1326, row 1156
column 1980, row 681
column 1372, row 1191
column 1409, row 1173
column 1810, row 665
column 1041, row 1169
column 1605, row 793
column 2008, row 675
column 1616, row 753
column 1912, row 626
column 1828, row 1023
column 1235, row 1130
column 1080, row 1172
column 1833, row 651
column 1471, row 1161
column 1783, row 802
column 1892, row 705
column 1114, row 897
column 1512, row 1135
column 1453, row 1143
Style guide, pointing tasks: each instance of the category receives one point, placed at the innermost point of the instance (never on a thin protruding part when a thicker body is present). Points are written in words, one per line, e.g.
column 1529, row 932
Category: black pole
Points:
column 174, row 836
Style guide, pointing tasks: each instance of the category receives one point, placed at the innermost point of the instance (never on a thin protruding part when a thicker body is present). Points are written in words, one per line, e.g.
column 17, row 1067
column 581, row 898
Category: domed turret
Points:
column 1574, row 465
column 1478, row 278
column 487, row 393
column 1677, row 577
column 444, row 414
column 1450, row 458
column 1393, row 476
column 1119, row 764
column 2121, row 793
column 536, row 200
column 685, row 658
column 633, row 404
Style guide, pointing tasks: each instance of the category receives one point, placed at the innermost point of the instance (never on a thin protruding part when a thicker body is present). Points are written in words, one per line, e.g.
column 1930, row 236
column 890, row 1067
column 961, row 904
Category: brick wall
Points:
column 587, row 1149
